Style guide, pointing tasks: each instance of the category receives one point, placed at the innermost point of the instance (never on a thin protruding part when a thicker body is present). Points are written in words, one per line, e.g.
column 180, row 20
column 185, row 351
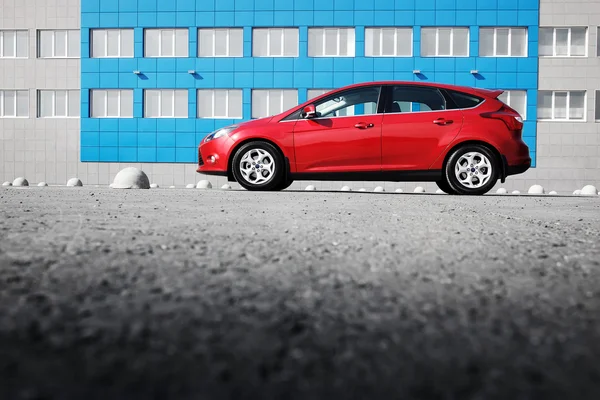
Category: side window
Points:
column 464, row 100
column 361, row 101
column 416, row 99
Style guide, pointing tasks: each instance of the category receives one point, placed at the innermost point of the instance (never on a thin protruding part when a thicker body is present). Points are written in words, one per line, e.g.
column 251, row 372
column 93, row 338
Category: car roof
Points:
column 476, row 91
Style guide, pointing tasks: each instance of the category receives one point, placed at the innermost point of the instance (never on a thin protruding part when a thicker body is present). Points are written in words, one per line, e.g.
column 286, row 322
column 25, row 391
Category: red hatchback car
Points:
column 464, row 139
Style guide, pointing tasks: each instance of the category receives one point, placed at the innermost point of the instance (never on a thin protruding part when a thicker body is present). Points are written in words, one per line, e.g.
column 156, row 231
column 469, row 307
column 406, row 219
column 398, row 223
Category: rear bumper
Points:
column 518, row 169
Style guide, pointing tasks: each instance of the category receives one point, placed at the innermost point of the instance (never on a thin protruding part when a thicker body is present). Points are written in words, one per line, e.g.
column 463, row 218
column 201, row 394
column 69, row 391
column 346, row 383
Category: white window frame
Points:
column 508, row 101
column 351, row 43
column 569, row 41
column 271, row 31
column 379, row 30
column 2, row 99
column 213, row 115
column 510, row 32
column 54, row 31
column 16, row 41
column 120, row 91
column 69, row 93
column 568, row 109
column 105, row 32
column 161, row 92
column 452, row 30
column 281, row 106
column 160, row 30
column 214, row 38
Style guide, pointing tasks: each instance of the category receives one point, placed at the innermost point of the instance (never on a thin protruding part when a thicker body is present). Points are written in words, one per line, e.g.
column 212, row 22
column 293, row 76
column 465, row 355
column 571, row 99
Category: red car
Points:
column 464, row 139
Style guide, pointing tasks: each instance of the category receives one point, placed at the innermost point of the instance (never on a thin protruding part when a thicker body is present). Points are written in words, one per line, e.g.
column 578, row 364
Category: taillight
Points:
column 511, row 118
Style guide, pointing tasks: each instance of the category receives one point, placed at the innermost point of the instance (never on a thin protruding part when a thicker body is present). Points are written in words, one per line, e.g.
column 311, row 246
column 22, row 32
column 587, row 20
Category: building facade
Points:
column 89, row 87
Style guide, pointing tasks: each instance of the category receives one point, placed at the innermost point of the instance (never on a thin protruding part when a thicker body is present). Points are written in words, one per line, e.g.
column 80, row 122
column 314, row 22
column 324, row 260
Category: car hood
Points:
column 254, row 123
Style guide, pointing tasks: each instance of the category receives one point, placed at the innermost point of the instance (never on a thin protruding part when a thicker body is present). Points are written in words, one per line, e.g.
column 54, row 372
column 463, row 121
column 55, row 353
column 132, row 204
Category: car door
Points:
column 417, row 127
column 344, row 136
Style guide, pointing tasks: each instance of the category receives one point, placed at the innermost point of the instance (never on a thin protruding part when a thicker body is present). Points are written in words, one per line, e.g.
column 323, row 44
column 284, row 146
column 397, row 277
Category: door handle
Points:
column 442, row 121
column 362, row 125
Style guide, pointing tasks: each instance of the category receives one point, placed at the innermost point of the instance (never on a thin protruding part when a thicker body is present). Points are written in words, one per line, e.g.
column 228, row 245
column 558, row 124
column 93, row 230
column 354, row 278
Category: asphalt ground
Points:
column 211, row 294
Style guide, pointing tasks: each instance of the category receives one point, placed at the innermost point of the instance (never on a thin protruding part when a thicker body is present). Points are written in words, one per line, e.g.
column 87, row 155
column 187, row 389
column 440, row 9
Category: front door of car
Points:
column 343, row 136
column 417, row 127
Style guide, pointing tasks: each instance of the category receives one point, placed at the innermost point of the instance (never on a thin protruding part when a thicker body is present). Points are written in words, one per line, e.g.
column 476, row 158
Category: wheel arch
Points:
column 234, row 150
column 492, row 148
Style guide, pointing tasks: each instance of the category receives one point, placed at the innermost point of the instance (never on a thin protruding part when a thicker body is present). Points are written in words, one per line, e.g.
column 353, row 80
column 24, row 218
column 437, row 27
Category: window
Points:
column 331, row 42
column 58, row 103
column 563, row 42
column 597, row 105
column 273, row 101
column 515, row 99
column 219, row 103
column 275, row 42
column 388, row 42
column 360, row 101
column 561, row 106
column 166, row 103
column 59, row 44
column 220, row 42
column 107, row 43
column 416, row 99
column 14, row 103
column 445, row 42
column 312, row 93
column 14, row 44
column 503, row 42
column 598, row 42
column 112, row 103
column 464, row 100
column 166, row 43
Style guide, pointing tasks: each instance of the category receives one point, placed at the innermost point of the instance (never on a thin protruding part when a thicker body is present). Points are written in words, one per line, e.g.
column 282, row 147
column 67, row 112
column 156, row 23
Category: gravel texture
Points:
column 210, row 294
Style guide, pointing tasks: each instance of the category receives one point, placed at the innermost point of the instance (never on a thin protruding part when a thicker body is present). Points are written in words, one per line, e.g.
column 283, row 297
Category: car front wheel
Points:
column 471, row 170
column 258, row 166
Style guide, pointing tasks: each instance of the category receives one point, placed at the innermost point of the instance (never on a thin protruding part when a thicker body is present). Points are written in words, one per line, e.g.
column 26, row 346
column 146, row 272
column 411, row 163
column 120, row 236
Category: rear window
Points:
column 464, row 100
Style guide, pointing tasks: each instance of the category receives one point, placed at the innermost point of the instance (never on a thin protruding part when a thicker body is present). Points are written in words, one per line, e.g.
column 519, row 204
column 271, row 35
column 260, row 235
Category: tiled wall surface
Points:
column 175, row 140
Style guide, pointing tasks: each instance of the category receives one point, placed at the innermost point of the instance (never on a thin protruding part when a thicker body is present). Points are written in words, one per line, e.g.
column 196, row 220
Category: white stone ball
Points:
column 399, row 190
column 20, row 181
column 7, row 183
column 516, row 192
column 190, row 186
column 74, row 182
column 226, row 187
column 204, row 184
column 419, row 189
column 346, row 189
column 310, row 187
column 553, row 193
column 536, row 189
column 131, row 178
column 440, row 191
column 41, row 184
column 362, row 190
column 171, row 187
column 501, row 191
column 154, row 186
column 379, row 189
column 577, row 192
column 589, row 190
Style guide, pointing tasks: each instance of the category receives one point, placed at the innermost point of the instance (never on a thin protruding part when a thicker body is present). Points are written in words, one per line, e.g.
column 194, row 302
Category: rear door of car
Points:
column 417, row 126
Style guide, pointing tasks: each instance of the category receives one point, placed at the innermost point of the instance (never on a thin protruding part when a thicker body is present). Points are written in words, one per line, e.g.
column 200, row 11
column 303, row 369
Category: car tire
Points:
column 258, row 166
column 284, row 184
column 472, row 170
column 445, row 187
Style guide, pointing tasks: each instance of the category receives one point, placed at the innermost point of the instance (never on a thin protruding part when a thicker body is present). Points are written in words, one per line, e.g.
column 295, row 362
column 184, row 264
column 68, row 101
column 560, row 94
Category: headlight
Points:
column 220, row 132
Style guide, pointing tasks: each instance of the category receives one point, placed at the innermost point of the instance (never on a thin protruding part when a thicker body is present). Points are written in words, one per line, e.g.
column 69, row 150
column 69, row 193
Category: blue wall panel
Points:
column 175, row 140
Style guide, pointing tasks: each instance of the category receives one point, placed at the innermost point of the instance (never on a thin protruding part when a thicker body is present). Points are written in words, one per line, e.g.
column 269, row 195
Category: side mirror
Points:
column 309, row 111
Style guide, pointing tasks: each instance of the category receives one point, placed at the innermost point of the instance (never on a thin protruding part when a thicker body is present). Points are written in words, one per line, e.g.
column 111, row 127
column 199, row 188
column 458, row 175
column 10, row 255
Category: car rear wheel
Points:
column 442, row 184
column 258, row 166
column 471, row 170
column 284, row 184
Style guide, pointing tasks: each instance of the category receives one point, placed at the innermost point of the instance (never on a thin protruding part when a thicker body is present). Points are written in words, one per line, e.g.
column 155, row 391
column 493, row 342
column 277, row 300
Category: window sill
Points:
column 220, row 118
column 114, row 57
column 14, row 58
column 112, row 117
column 577, row 121
column 186, row 56
column 59, row 117
column 220, row 56
column 59, row 58
column 503, row 56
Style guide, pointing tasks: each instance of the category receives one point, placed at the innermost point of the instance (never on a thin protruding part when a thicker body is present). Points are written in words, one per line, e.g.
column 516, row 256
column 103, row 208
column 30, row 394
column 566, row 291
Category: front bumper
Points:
column 213, row 156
